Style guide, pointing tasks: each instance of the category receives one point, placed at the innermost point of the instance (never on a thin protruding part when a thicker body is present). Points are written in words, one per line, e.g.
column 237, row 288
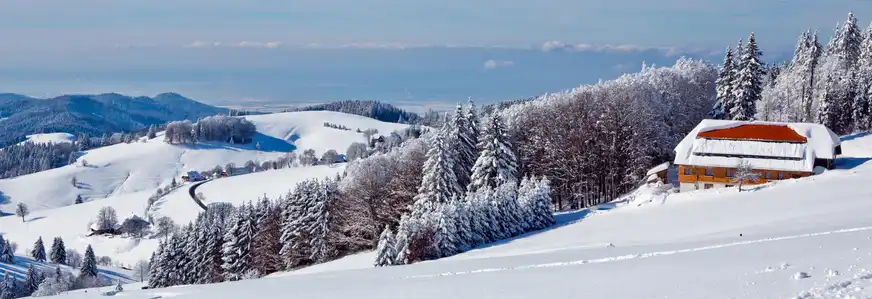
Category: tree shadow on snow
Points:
column 850, row 162
column 561, row 218
column 267, row 144
column 855, row 136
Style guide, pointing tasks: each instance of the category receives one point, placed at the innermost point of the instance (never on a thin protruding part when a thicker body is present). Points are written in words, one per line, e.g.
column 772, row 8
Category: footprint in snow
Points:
column 800, row 275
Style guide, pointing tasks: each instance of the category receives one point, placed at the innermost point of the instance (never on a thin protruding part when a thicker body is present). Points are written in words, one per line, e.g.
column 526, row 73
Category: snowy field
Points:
column 123, row 176
column 50, row 138
column 805, row 238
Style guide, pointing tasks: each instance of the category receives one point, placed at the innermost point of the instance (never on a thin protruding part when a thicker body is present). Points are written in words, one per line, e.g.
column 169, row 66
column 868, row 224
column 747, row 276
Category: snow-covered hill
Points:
column 141, row 167
column 123, row 176
column 306, row 130
column 50, row 138
column 804, row 238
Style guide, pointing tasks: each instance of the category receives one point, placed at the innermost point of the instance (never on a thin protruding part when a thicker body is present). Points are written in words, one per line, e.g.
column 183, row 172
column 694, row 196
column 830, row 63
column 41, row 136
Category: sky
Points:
column 228, row 52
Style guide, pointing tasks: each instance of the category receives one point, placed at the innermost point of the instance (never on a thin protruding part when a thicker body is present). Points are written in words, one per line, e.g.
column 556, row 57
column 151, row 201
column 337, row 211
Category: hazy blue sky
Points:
column 233, row 50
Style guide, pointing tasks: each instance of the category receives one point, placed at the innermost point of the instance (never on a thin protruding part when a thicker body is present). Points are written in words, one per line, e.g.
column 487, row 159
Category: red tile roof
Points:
column 767, row 132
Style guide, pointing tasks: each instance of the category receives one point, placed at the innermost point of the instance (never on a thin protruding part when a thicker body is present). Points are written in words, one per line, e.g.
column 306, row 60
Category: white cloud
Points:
column 551, row 46
column 492, row 64
column 248, row 44
column 242, row 44
column 202, row 44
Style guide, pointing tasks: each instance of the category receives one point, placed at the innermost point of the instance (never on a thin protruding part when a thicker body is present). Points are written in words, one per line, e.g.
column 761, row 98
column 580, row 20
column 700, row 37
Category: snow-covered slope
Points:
column 50, row 138
column 706, row 244
column 141, row 167
column 306, row 130
column 240, row 189
column 123, row 176
column 20, row 265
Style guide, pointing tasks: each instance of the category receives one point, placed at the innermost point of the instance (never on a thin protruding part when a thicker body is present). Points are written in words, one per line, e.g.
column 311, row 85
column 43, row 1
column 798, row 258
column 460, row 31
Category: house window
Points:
column 709, row 186
column 687, row 171
column 709, row 171
column 780, row 176
column 795, row 176
column 768, row 175
column 730, row 172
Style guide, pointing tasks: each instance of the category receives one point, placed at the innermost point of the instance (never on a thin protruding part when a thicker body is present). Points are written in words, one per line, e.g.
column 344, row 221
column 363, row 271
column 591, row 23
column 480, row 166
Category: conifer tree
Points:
column 445, row 237
column 725, row 88
column 439, row 184
column 463, row 146
column 748, row 82
column 319, row 226
column 38, row 252
column 89, row 265
column 266, row 243
column 151, row 132
column 386, row 250
column 32, row 281
column 237, row 244
column 58, row 252
column 7, row 256
column 496, row 164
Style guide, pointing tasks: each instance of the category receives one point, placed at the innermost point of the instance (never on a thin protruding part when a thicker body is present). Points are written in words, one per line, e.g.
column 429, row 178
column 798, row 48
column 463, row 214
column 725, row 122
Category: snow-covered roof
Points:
column 663, row 166
column 789, row 153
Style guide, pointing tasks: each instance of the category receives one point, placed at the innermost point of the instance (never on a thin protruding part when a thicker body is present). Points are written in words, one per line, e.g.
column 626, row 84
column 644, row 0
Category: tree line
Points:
column 827, row 84
column 38, row 283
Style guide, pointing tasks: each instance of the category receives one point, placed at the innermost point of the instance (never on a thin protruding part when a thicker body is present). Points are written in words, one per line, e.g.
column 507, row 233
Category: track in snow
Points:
column 193, row 192
column 642, row 255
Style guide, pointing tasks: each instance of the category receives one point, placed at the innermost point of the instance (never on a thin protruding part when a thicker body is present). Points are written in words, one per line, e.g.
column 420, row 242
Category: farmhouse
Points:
column 708, row 156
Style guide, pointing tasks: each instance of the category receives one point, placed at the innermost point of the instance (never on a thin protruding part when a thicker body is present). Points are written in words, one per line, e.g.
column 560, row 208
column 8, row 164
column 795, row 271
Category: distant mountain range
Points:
column 93, row 114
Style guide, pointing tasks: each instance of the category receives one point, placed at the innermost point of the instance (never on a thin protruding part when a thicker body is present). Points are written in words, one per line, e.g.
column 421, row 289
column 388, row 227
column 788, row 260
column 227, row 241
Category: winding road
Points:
column 193, row 192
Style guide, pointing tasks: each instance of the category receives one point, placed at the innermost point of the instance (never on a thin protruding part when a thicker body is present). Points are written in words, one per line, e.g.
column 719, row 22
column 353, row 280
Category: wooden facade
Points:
column 723, row 175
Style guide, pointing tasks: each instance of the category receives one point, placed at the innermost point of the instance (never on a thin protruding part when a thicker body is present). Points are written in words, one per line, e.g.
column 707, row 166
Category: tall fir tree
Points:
column 237, row 244
column 439, row 184
column 89, row 264
column 463, row 146
column 7, row 255
column 58, row 252
column 33, row 280
column 496, row 164
column 319, row 226
column 38, row 251
column 808, row 71
column 724, row 87
column 266, row 243
column 748, row 82
column 386, row 249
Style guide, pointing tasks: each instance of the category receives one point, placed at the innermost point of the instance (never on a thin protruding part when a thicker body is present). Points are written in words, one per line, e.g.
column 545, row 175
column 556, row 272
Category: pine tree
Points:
column 266, row 243
column 463, row 146
column 237, row 244
column 473, row 122
column 496, row 164
column 319, row 227
column 32, row 281
column 748, row 82
column 151, row 132
column 157, row 271
column 445, row 237
column 79, row 199
column 38, row 252
column 808, row 70
column 211, row 261
column 118, row 287
column 439, row 184
column 542, row 206
column 295, row 249
column 89, row 265
column 58, row 252
column 8, row 291
column 725, row 88
column 7, row 256
column 386, row 250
